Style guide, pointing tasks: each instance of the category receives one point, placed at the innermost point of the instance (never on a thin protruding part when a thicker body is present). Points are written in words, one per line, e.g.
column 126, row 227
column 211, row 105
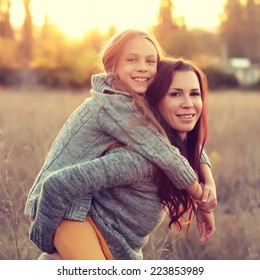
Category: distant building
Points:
column 247, row 73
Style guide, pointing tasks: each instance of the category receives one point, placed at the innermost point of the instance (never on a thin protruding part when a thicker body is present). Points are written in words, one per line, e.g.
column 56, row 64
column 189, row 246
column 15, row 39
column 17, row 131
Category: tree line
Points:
column 44, row 55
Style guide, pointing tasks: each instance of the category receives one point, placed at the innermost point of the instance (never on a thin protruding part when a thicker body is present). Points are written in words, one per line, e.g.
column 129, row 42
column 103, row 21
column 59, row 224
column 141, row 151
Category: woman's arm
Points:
column 205, row 219
column 205, row 225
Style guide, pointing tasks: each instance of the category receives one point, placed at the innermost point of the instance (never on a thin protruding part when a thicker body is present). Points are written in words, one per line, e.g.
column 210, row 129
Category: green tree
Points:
column 165, row 28
column 6, row 30
column 252, row 35
column 27, row 34
column 7, row 42
column 172, row 33
column 240, row 29
column 233, row 28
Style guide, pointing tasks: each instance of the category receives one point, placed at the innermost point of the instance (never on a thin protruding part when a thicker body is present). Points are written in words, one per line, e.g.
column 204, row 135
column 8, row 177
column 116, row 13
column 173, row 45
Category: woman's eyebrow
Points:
column 174, row 88
column 181, row 89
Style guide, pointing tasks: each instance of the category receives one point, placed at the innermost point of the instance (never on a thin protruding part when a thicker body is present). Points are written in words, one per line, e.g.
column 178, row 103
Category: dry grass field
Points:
column 30, row 120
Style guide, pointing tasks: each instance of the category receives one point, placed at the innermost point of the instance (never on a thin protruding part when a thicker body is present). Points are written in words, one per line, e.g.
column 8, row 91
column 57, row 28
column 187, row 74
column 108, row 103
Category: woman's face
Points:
column 182, row 105
column 137, row 65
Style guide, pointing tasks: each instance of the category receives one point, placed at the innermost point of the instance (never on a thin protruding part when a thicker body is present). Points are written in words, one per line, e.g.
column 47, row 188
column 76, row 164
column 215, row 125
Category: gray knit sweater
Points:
column 118, row 189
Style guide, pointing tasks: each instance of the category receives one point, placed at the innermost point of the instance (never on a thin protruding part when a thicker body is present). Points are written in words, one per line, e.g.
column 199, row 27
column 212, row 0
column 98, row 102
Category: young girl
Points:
column 110, row 114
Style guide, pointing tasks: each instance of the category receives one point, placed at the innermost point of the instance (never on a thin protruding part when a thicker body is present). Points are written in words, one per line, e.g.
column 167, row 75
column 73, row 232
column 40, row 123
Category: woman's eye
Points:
column 174, row 93
column 151, row 61
column 195, row 93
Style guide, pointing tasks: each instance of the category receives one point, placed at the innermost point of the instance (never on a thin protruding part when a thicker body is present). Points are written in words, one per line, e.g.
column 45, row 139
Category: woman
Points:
column 178, row 97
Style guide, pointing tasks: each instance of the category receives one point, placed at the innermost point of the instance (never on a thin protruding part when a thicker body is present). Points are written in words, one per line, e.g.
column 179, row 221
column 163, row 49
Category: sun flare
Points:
column 75, row 17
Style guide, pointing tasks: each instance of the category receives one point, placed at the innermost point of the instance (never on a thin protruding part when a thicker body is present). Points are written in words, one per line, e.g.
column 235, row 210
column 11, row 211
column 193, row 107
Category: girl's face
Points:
column 137, row 64
column 182, row 105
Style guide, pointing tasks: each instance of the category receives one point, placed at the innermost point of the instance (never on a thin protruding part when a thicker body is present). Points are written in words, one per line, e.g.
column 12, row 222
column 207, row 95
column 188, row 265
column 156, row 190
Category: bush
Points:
column 9, row 76
column 57, row 77
column 256, row 86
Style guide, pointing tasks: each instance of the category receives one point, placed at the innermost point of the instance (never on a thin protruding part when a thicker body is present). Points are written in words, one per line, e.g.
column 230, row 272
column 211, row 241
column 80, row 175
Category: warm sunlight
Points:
column 74, row 17
column 200, row 13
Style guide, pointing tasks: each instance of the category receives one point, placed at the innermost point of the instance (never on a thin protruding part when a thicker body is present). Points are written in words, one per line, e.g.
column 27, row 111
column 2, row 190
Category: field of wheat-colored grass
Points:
column 29, row 122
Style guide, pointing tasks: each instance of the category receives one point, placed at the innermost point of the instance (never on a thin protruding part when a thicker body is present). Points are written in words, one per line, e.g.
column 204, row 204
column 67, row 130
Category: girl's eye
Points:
column 151, row 61
column 131, row 59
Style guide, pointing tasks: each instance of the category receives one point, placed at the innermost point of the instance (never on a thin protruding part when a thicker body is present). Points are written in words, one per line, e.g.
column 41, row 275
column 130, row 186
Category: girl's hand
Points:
column 205, row 225
column 208, row 200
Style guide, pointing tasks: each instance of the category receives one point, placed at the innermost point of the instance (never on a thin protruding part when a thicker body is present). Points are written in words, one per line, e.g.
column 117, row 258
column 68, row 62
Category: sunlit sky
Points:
column 75, row 17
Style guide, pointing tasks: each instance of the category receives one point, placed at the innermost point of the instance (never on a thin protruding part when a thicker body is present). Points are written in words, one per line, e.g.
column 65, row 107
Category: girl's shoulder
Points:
column 102, row 83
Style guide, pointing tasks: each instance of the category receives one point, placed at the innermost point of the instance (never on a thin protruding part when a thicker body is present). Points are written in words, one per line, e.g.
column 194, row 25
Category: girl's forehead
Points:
column 139, row 45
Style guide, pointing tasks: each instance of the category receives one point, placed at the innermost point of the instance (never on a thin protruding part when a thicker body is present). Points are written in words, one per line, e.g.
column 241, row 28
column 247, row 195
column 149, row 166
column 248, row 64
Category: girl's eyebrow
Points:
column 150, row 55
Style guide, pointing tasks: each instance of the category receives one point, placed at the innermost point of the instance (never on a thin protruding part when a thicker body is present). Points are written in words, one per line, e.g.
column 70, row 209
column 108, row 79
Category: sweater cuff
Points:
column 205, row 159
column 43, row 237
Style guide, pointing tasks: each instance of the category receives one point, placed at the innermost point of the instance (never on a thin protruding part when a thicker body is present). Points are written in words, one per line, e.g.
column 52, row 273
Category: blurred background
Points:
column 48, row 52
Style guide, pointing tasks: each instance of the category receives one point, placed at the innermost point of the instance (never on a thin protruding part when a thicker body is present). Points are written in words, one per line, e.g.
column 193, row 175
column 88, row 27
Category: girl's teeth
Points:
column 140, row 79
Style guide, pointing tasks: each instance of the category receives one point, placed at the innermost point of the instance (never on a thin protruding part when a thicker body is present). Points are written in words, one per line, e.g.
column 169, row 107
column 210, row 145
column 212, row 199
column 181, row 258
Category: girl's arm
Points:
column 204, row 194
column 119, row 167
column 116, row 112
column 115, row 115
column 208, row 200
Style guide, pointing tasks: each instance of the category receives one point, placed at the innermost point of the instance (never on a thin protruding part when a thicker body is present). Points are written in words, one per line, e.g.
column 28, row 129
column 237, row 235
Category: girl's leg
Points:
column 79, row 241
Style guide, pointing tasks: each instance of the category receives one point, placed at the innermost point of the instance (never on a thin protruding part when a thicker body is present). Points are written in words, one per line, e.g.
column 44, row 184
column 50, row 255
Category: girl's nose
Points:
column 141, row 67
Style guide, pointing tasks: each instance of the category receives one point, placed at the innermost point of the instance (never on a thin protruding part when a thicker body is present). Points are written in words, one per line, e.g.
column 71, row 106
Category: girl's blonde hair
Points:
column 114, row 48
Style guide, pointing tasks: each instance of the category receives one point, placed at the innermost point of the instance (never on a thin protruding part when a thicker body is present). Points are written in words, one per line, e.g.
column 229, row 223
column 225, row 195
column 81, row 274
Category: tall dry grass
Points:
column 29, row 122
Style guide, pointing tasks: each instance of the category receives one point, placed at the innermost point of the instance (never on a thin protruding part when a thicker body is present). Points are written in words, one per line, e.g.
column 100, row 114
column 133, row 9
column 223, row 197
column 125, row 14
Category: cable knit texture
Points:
column 117, row 189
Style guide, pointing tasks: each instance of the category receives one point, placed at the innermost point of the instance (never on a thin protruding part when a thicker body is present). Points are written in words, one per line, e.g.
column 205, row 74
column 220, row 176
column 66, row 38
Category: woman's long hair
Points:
column 177, row 202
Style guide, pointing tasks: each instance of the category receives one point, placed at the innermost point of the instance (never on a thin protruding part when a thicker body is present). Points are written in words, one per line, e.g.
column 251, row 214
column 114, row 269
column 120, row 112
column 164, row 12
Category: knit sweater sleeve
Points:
column 204, row 158
column 117, row 168
column 116, row 113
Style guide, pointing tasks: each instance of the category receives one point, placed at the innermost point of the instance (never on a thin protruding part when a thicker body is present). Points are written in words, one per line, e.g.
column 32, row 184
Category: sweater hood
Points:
column 102, row 83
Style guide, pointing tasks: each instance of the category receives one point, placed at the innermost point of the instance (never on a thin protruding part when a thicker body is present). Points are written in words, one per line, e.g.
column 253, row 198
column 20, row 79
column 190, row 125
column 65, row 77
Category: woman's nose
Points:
column 187, row 102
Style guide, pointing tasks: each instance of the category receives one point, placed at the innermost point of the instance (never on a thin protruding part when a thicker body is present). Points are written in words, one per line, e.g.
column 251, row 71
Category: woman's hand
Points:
column 205, row 225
